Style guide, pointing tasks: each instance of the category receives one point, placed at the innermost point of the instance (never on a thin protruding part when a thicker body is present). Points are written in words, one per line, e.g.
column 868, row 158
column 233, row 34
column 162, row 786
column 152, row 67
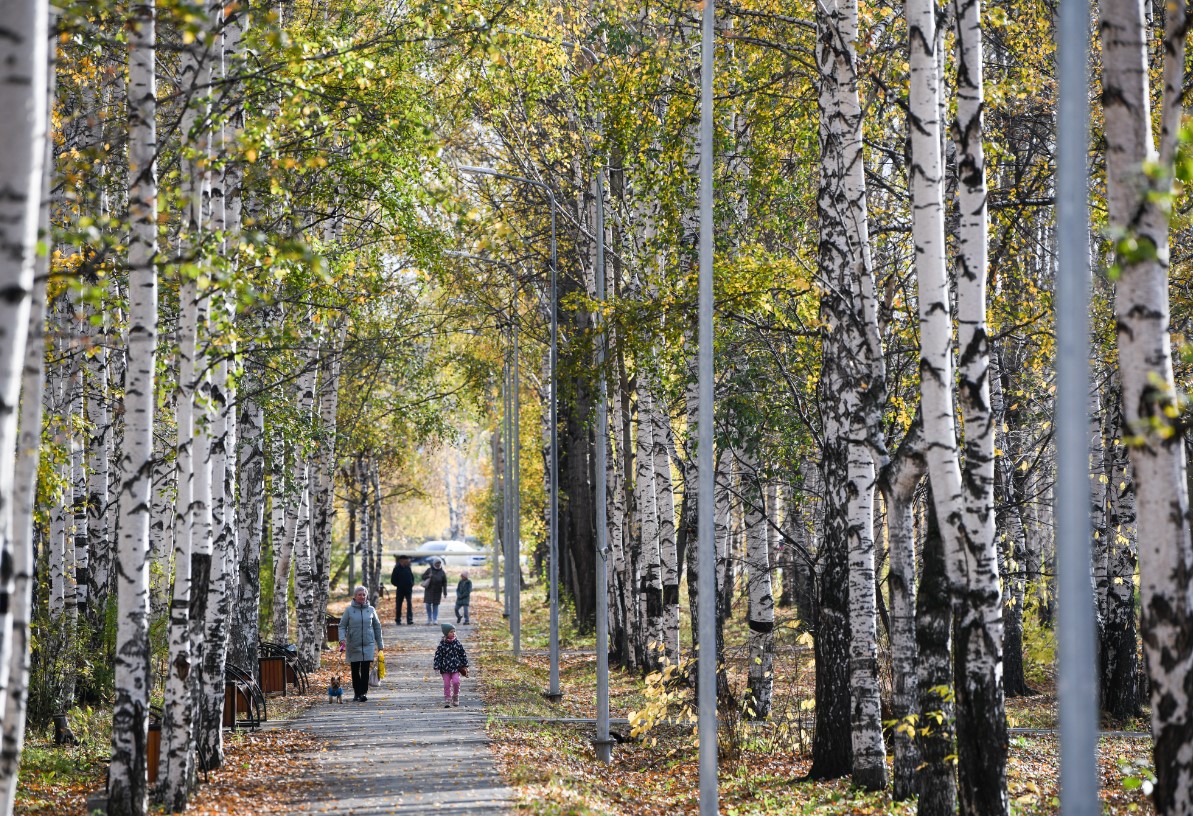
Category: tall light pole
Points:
column 602, row 744
column 1077, row 693
column 553, row 693
column 706, row 671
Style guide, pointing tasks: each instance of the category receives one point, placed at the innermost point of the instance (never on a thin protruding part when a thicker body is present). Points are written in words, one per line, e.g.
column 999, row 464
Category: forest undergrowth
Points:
column 552, row 766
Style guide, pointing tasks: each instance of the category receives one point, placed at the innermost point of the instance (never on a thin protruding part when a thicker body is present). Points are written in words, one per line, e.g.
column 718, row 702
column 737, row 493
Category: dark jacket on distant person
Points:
column 402, row 578
column 435, row 586
column 463, row 591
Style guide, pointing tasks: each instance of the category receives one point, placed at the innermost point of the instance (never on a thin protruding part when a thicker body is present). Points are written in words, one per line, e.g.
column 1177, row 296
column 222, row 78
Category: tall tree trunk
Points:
column 853, row 386
column 933, row 628
column 24, row 497
column 323, row 497
column 176, row 759
column 99, row 455
column 650, row 583
column 899, row 481
column 669, row 556
column 761, row 614
column 77, row 491
column 281, row 537
column 127, row 779
column 250, row 505
column 1139, row 184
column 981, row 715
column 1120, row 667
column 832, row 746
column 23, row 127
column 224, row 571
column 963, row 505
column 1013, row 538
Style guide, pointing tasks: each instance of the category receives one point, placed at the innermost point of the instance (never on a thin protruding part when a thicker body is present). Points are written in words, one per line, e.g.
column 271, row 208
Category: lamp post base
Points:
column 604, row 749
column 553, row 696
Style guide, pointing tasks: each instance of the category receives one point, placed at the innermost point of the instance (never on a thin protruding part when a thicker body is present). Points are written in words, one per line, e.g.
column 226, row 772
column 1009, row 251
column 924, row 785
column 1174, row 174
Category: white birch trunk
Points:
column 981, row 721
column 127, row 781
column 668, row 554
column 650, row 586
column 970, row 554
column 281, row 537
column 1120, row 697
column 761, row 614
column 250, row 506
column 869, row 750
column 161, row 532
column 899, row 482
column 57, row 543
column 28, row 455
column 1139, row 184
column 23, row 126
column 175, row 769
column 304, row 580
column 99, row 455
column 77, row 491
column 323, row 495
column 217, row 618
column 620, row 619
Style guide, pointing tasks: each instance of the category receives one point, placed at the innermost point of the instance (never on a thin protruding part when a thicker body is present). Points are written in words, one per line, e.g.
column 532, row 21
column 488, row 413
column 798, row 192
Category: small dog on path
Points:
column 335, row 693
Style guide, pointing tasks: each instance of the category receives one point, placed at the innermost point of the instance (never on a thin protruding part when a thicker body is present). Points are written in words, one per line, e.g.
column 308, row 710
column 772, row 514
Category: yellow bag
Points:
column 381, row 665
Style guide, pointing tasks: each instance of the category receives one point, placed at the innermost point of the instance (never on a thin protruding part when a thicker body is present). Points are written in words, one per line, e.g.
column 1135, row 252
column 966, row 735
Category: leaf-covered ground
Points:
column 266, row 771
column 553, row 769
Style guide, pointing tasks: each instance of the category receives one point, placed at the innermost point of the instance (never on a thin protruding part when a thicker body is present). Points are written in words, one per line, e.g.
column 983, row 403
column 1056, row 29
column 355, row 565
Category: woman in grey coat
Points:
column 360, row 638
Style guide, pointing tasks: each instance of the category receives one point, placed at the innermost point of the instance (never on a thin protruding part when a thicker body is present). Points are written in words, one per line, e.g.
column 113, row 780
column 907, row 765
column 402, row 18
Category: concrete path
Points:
column 402, row 752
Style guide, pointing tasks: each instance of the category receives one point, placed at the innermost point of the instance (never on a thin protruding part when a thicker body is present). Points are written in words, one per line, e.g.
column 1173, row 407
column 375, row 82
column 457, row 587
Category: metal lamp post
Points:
column 602, row 744
column 553, row 693
column 1076, row 688
column 706, row 677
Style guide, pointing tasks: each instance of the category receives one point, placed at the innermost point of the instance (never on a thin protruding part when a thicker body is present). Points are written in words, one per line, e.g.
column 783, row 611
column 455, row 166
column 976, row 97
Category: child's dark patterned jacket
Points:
column 450, row 657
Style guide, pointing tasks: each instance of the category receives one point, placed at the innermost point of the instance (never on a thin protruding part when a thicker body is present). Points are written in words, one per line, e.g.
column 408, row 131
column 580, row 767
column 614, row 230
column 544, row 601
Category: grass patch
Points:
column 553, row 768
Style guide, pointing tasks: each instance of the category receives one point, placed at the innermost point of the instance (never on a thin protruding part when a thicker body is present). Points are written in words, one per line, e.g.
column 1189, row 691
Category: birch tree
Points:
column 28, row 457
column 899, row 481
column 127, row 780
column 852, row 388
column 963, row 503
column 23, row 57
column 761, row 614
column 1139, row 190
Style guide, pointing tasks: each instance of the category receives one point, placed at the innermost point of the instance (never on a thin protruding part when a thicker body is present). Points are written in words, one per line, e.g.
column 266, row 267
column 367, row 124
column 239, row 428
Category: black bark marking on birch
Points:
column 761, row 626
column 670, row 594
column 182, row 666
column 13, row 294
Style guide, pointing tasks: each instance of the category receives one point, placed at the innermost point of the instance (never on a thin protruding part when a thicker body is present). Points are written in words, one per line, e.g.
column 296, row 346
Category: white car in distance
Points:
column 453, row 554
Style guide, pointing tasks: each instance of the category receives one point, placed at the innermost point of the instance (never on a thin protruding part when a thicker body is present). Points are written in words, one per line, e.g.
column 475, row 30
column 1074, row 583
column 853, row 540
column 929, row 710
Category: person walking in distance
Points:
column 403, row 580
column 360, row 638
column 463, row 597
column 434, row 583
column 451, row 662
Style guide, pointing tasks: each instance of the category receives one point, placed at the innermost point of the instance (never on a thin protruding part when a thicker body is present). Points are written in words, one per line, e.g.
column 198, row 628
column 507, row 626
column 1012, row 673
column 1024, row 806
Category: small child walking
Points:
column 463, row 597
column 451, row 662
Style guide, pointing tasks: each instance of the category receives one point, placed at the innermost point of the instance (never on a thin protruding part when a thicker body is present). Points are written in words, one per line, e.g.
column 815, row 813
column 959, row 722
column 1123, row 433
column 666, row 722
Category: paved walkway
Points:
column 402, row 752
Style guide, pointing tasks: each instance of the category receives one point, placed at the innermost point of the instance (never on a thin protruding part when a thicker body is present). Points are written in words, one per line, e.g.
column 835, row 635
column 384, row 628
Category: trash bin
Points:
column 273, row 674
